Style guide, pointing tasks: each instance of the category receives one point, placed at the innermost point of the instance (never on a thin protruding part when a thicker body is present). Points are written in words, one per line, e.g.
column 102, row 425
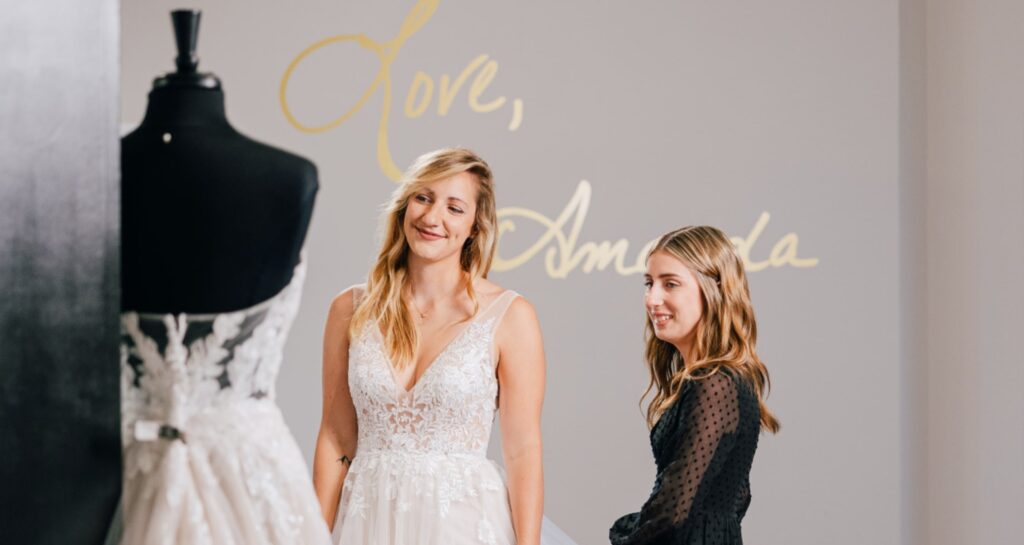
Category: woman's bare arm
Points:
column 338, row 432
column 521, row 369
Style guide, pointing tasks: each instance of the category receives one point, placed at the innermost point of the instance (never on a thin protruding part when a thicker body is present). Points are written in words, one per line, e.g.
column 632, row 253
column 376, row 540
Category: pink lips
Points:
column 428, row 235
column 660, row 320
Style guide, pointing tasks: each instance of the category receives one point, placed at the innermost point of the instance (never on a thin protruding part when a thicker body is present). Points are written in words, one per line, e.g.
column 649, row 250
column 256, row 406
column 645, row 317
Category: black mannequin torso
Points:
column 211, row 220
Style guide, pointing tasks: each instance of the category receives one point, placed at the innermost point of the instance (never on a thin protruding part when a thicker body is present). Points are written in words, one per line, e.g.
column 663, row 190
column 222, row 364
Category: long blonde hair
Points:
column 384, row 300
column 726, row 333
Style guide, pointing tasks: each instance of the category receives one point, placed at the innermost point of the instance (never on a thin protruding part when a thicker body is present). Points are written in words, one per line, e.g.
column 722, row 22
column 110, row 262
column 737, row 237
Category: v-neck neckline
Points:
column 435, row 359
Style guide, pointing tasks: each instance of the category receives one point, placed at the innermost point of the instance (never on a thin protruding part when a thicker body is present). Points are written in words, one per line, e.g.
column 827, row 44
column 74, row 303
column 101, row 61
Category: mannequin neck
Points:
column 181, row 107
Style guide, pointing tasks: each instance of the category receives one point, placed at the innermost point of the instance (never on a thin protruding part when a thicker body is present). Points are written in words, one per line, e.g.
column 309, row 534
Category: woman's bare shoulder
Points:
column 487, row 291
column 343, row 304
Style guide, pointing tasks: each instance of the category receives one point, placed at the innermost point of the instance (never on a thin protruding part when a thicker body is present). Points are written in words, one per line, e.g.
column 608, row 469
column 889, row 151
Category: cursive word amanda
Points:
column 565, row 253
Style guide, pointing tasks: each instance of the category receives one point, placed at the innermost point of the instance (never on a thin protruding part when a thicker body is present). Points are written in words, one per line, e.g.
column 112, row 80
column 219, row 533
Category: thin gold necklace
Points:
column 412, row 298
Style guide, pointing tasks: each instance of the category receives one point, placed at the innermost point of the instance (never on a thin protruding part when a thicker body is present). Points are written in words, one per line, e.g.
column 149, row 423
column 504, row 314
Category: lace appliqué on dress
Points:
column 208, row 458
column 450, row 409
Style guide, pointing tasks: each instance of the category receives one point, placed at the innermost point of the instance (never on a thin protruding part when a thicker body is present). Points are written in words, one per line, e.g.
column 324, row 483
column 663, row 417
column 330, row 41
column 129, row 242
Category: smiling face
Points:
column 440, row 216
column 673, row 300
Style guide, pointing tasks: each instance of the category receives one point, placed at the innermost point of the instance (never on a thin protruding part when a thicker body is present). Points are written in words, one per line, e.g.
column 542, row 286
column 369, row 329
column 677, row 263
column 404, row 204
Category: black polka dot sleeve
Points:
column 703, row 446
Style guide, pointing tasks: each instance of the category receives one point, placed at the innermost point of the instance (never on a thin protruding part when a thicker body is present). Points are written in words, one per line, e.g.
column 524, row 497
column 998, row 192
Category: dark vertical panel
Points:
column 912, row 265
column 59, row 244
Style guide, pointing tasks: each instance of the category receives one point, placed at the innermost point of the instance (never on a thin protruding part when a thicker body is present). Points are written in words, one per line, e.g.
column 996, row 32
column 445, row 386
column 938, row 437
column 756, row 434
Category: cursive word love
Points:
column 420, row 95
column 422, row 89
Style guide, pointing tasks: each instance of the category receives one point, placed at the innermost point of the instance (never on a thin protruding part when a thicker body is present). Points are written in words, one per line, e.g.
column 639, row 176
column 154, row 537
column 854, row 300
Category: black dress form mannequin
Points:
column 211, row 220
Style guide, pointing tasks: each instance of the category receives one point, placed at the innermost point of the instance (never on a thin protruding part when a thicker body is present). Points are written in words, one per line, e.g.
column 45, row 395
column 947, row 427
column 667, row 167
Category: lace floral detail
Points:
column 418, row 481
column 485, row 533
column 451, row 408
column 204, row 361
column 207, row 455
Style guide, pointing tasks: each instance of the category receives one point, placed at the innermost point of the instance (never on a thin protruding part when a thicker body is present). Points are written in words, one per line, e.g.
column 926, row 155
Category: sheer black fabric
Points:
column 703, row 446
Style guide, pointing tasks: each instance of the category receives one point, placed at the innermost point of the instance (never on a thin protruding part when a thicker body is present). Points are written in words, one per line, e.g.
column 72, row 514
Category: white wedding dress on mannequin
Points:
column 208, row 458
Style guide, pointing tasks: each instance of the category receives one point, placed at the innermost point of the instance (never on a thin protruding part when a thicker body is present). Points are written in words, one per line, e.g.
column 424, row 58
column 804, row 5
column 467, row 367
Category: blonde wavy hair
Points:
column 384, row 301
column 726, row 333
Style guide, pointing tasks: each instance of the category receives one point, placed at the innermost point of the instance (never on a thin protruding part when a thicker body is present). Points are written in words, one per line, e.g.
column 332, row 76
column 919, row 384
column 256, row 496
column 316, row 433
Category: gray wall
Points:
column 838, row 118
column 975, row 265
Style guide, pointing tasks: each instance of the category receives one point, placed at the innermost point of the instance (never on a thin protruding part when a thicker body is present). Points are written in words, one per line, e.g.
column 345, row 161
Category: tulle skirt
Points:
column 393, row 498
column 237, row 477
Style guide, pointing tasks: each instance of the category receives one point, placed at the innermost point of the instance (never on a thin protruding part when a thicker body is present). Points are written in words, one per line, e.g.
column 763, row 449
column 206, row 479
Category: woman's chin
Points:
column 666, row 336
column 428, row 254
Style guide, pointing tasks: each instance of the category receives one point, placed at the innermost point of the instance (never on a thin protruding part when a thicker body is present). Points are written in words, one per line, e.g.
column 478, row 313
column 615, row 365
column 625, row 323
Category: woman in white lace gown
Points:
column 208, row 459
column 413, row 365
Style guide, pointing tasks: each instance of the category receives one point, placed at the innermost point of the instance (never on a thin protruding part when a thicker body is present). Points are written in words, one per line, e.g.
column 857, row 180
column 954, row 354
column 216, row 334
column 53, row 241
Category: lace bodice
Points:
column 177, row 366
column 451, row 407
column 208, row 458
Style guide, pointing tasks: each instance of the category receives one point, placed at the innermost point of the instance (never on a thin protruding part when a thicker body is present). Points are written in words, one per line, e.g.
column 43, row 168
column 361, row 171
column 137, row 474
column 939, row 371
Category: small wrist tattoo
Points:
column 345, row 460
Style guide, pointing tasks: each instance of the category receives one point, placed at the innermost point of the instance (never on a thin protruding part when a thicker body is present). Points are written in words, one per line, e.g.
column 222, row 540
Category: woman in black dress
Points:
column 708, row 384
